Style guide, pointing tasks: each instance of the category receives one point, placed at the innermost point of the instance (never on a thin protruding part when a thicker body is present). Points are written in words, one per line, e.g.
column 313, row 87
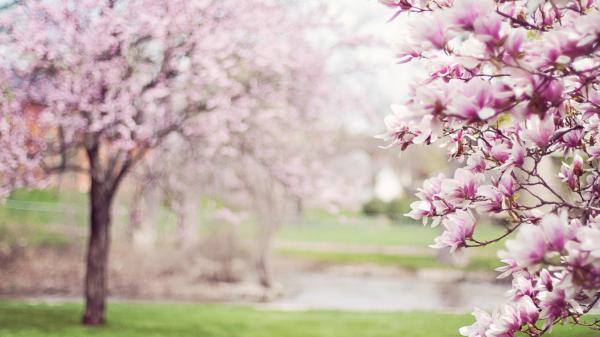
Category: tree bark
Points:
column 97, row 254
column 263, row 264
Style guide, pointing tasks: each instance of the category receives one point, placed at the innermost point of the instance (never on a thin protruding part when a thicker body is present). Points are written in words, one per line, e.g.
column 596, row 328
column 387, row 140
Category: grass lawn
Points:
column 362, row 230
column 358, row 229
column 475, row 263
column 19, row 319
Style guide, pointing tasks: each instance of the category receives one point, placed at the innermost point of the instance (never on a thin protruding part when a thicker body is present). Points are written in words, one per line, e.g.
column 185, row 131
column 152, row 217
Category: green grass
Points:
column 18, row 319
column 476, row 263
column 367, row 231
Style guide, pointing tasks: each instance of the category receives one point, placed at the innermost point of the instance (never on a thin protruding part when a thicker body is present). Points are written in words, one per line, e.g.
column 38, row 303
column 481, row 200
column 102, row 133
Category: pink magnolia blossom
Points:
column 483, row 320
column 521, row 87
column 458, row 227
column 529, row 246
column 539, row 131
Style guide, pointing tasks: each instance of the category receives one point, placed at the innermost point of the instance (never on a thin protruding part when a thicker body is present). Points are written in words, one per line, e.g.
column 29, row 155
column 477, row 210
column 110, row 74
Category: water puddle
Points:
column 382, row 293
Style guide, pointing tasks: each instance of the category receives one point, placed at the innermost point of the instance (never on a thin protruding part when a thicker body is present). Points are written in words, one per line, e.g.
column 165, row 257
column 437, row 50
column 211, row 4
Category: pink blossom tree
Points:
column 511, row 86
column 107, row 81
column 275, row 150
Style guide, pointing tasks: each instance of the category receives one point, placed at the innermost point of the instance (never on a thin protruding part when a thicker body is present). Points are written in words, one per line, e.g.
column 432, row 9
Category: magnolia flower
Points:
column 567, row 175
column 510, row 265
column 476, row 163
column 594, row 152
column 421, row 210
column 556, row 231
column 463, row 187
column 517, row 155
column 529, row 247
column 432, row 187
column 483, row 320
column 528, row 312
column 506, row 185
column 555, row 303
column 590, row 239
column 578, row 165
column 505, row 322
column 572, row 139
column 501, row 152
column 539, row 131
column 522, row 286
column 459, row 227
column 479, row 100
column 514, row 42
column 491, row 199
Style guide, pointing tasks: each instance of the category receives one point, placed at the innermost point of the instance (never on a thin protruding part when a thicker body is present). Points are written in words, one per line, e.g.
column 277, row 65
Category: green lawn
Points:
column 327, row 228
column 18, row 319
column 475, row 263
column 362, row 230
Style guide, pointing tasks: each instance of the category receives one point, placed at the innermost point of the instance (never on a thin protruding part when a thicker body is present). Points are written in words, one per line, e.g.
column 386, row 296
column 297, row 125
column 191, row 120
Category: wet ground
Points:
column 409, row 291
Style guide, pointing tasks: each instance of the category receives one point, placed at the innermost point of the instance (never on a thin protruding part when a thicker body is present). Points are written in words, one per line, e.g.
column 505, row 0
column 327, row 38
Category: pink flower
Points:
column 501, row 152
column 421, row 209
column 432, row 187
column 476, row 163
column 578, row 165
column 529, row 246
column 459, row 227
column 590, row 239
column 514, row 42
column 491, row 199
column 510, row 265
column 572, row 139
column 433, row 29
column 567, row 175
column 517, row 155
column 556, row 231
column 463, row 187
column 528, row 312
column 594, row 152
column 522, row 286
column 483, row 320
column 555, row 303
column 466, row 12
column 505, row 322
column 479, row 100
column 506, row 185
column 539, row 131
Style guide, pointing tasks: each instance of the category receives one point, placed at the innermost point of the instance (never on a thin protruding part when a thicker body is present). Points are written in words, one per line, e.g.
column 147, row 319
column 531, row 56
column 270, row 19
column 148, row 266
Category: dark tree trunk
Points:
column 97, row 255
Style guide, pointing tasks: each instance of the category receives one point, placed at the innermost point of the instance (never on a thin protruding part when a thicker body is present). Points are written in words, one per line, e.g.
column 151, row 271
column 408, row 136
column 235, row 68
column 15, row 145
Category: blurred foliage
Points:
column 394, row 210
column 375, row 207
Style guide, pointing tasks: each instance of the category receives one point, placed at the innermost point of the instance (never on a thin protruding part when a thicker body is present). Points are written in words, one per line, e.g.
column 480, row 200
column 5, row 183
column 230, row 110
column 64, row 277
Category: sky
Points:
column 384, row 81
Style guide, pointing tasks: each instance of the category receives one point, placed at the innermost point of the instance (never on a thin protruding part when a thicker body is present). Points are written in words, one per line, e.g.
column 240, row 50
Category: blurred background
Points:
column 234, row 231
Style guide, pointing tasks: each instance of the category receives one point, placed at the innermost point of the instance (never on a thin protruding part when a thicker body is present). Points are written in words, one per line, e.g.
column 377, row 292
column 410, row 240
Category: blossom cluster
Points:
column 513, row 87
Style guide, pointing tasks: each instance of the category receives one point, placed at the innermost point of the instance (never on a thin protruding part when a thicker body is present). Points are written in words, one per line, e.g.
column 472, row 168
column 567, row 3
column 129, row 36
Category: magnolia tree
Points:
column 512, row 85
column 94, row 85
column 274, row 152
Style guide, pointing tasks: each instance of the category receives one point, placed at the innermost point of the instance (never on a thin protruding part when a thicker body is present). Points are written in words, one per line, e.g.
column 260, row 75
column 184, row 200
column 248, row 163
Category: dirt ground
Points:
column 158, row 274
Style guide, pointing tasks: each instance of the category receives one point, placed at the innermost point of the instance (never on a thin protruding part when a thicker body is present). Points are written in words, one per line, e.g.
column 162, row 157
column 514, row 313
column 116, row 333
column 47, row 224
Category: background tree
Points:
column 512, row 84
column 109, row 80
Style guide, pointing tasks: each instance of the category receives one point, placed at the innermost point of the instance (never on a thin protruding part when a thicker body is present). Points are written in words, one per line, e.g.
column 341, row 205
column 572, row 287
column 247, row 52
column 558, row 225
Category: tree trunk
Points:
column 263, row 265
column 97, row 254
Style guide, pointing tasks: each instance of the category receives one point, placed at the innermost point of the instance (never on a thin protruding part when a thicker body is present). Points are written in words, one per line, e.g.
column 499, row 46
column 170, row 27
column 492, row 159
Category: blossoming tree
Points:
column 512, row 86
column 109, row 80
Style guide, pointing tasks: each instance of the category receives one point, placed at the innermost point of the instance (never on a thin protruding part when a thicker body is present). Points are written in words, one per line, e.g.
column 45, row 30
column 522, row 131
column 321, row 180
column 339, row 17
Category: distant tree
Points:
column 511, row 85
column 110, row 80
